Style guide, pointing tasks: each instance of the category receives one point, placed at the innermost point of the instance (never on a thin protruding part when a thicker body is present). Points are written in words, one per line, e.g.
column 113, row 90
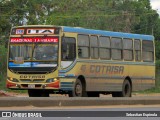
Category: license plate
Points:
column 31, row 86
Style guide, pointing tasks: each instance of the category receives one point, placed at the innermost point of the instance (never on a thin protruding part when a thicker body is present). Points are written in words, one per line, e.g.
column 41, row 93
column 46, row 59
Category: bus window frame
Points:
column 97, row 47
column 127, row 49
column 80, row 50
column 137, row 50
column 117, row 48
column 65, row 43
column 106, row 48
column 152, row 51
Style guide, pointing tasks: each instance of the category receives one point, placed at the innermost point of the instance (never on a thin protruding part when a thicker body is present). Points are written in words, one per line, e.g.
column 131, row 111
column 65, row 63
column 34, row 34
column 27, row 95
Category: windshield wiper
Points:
column 35, row 46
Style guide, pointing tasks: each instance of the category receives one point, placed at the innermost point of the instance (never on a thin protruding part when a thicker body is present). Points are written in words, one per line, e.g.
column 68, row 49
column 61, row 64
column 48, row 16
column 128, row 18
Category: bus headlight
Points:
column 13, row 79
column 50, row 80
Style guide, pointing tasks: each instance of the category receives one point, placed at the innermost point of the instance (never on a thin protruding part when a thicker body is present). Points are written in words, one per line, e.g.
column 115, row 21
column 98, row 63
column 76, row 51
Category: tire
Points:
column 78, row 90
column 126, row 90
column 38, row 93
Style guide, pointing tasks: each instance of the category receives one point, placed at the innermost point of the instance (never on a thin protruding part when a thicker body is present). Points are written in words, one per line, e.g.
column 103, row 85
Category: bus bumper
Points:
column 18, row 86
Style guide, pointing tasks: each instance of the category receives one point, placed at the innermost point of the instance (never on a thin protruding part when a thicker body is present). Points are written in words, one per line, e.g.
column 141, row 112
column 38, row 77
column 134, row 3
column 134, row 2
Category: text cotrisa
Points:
column 104, row 69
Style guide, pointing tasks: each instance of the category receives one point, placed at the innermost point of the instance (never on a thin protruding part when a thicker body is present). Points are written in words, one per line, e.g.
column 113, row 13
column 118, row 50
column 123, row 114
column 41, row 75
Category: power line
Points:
column 71, row 16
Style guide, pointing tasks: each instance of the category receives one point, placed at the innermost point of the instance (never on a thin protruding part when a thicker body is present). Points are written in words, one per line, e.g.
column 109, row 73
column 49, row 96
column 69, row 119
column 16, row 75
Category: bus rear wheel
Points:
column 38, row 93
column 126, row 90
column 78, row 90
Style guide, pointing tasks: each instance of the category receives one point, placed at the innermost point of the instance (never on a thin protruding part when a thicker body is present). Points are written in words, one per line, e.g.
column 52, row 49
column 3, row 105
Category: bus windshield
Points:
column 45, row 52
column 38, row 52
column 33, row 53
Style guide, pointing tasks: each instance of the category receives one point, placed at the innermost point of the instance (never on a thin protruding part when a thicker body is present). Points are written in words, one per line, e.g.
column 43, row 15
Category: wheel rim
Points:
column 78, row 90
column 127, row 90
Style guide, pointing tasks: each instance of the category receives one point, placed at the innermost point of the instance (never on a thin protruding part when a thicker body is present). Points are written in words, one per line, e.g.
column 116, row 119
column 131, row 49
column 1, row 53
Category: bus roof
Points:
column 107, row 33
column 96, row 32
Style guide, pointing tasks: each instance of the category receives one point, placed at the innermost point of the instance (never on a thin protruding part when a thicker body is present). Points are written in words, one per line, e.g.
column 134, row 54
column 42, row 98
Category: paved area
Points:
column 77, row 101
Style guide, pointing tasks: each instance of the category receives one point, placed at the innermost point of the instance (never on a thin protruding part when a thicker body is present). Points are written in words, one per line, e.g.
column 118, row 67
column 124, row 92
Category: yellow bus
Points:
column 45, row 59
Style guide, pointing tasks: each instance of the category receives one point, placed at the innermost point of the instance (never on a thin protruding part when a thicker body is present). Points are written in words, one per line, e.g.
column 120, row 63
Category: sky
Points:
column 155, row 5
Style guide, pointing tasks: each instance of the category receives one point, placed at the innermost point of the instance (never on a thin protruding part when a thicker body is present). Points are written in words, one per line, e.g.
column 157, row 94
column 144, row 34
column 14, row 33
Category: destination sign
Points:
column 34, row 39
column 40, row 31
column 19, row 31
column 35, row 31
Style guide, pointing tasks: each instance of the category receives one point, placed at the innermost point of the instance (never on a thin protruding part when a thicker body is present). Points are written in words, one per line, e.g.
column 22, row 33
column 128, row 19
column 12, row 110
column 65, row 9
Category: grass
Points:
column 149, row 91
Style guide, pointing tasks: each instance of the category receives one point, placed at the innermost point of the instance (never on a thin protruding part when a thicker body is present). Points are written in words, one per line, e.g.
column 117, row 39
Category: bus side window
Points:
column 147, row 51
column 94, row 47
column 83, row 46
column 104, row 48
column 137, row 47
column 116, row 51
column 128, row 49
column 68, row 49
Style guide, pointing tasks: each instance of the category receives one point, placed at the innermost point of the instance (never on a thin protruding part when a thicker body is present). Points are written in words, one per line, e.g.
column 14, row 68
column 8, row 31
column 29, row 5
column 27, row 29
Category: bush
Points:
column 3, row 66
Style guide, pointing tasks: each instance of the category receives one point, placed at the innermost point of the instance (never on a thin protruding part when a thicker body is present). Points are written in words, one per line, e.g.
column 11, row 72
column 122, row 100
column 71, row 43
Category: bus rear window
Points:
column 147, row 51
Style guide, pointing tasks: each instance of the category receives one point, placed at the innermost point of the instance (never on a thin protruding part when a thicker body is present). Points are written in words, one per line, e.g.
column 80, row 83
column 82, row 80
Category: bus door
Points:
column 68, row 51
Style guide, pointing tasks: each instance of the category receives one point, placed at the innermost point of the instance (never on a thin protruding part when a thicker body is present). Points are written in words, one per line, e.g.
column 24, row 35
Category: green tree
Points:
column 134, row 16
column 147, row 18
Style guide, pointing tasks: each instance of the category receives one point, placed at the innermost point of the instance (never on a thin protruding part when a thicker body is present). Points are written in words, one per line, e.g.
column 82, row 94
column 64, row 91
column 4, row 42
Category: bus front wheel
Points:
column 78, row 90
